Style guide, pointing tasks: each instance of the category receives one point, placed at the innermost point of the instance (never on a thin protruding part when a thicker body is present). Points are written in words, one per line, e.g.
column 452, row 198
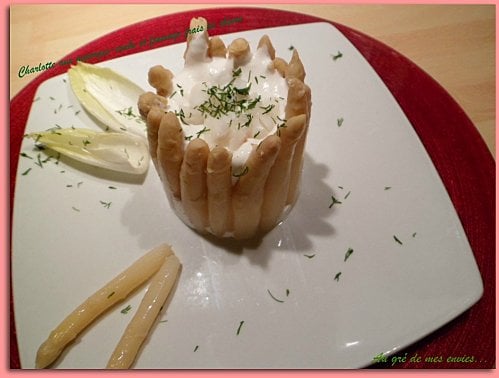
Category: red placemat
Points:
column 457, row 150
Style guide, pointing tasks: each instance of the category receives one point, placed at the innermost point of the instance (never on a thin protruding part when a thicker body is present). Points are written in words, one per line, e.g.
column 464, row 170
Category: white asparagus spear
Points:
column 299, row 102
column 267, row 44
column 295, row 68
column 193, row 183
column 150, row 100
column 197, row 25
column 240, row 51
column 298, row 98
column 247, row 197
column 170, row 152
column 197, row 34
column 153, row 121
column 161, row 78
column 139, row 327
column 277, row 185
column 112, row 293
column 216, row 48
column 280, row 65
column 219, row 182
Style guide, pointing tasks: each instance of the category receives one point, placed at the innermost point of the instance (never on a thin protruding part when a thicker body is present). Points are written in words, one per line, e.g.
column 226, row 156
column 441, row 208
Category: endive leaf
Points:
column 115, row 151
column 108, row 96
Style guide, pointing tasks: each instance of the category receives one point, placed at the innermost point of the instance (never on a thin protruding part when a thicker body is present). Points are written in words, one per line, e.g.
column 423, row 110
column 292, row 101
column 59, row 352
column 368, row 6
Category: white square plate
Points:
column 411, row 270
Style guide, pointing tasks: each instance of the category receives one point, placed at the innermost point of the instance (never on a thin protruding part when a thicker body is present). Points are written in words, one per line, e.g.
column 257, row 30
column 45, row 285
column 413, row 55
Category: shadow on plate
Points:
column 308, row 218
column 311, row 217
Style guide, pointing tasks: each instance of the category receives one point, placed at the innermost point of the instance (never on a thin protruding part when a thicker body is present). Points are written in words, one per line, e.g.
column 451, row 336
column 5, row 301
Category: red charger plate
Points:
column 457, row 150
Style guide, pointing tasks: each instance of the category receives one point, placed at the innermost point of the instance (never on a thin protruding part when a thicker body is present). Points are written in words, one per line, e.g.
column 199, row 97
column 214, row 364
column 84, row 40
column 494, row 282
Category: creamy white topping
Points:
column 231, row 107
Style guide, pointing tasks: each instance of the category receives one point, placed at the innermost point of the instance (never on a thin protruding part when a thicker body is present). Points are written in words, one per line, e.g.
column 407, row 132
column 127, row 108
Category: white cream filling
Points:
column 233, row 108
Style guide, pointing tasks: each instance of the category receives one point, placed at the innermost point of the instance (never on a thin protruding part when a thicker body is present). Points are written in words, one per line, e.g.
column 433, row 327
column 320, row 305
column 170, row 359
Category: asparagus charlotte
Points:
column 227, row 133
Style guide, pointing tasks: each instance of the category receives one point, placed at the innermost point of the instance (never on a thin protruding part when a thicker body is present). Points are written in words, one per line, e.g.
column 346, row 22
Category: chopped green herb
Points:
column 414, row 234
column 240, row 326
column 237, row 72
column 86, row 142
column 77, row 112
column 337, row 276
column 196, row 348
column 173, row 94
column 112, row 187
column 242, row 173
column 274, row 298
column 69, row 186
column 388, row 187
column 52, row 98
column 337, row 56
column 279, row 127
column 346, row 195
column 126, row 309
column 39, row 161
column 36, row 99
column 339, row 121
column 26, row 172
column 128, row 113
column 287, row 292
column 291, row 48
column 256, row 134
column 75, row 209
column 181, row 115
column 397, row 239
column 202, row 131
column 57, row 158
column 107, row 205
column 111, row 294
column 243, row 91
column 24, row 154
column 223, row 100
column 334, row 201
column 267, row 108
column 310, row 256
column 348, row 253
column 249, row 117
